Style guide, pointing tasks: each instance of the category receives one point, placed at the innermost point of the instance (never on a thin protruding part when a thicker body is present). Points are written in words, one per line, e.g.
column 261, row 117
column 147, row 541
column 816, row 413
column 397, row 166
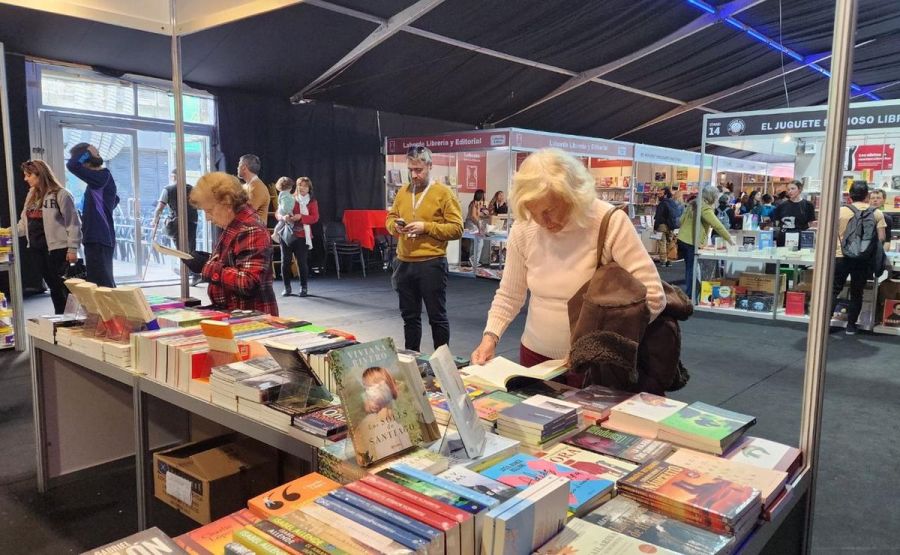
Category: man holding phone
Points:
column 424, row 217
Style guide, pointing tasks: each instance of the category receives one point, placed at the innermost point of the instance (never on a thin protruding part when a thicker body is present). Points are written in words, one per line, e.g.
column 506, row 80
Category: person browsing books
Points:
column 100, row 199
column 51, row 226
column 552, row 252
column 708, row 219
column 239, row 270
column 424, row 216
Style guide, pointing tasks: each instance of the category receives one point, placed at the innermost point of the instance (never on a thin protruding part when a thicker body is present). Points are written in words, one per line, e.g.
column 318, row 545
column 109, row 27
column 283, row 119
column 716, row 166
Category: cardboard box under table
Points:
column 763, row 283
column 209, row 479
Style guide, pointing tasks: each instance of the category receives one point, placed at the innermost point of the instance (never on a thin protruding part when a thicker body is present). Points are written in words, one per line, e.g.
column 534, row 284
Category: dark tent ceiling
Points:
column 501, row 62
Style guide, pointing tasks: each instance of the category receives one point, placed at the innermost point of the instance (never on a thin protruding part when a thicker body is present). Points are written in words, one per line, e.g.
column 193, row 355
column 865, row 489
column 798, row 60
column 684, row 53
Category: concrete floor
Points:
column 746, row 365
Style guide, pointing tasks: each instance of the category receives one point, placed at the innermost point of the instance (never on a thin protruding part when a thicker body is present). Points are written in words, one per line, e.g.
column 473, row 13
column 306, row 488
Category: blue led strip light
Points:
column 774, row 45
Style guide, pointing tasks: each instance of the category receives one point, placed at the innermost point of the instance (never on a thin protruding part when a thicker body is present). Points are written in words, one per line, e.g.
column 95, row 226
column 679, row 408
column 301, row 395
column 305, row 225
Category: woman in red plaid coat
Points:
column 239, row 270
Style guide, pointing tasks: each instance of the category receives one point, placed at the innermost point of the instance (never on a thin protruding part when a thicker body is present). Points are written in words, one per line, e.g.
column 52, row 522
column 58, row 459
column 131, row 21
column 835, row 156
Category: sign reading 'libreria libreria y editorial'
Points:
column 814, row 119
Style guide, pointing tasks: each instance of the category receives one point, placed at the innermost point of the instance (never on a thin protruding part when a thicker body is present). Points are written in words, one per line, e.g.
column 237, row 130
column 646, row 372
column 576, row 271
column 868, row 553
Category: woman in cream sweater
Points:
column 552, row 252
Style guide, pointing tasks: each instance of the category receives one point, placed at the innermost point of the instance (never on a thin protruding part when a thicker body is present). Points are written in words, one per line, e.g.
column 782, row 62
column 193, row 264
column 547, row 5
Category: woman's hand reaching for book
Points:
column 485, row 351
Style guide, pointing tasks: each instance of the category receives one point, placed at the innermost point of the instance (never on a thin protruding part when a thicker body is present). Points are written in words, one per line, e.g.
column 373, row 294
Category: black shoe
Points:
column 304, row 292
column 851, row 329
column 286, row 293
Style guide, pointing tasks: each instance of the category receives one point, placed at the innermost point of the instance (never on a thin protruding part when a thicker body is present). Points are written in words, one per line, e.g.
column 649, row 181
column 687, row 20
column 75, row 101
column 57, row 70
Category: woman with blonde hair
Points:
column 52, row 227
column 552, row 251
column 239, row 270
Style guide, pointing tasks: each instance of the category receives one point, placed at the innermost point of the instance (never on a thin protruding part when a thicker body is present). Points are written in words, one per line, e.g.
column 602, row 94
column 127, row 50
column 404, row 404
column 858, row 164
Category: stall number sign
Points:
column 805, row 121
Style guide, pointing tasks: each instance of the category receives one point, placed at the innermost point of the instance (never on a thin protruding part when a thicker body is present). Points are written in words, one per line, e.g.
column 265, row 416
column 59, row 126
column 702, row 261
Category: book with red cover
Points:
column 212, row 538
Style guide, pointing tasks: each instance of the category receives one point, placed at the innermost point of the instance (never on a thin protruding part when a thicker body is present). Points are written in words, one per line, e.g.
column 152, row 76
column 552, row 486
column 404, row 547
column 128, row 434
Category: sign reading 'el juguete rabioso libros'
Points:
column 802, row 121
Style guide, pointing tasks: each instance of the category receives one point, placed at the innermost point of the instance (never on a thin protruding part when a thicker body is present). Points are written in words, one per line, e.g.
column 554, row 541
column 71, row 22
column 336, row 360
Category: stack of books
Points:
column 700, row 499
column 527, row 520
column 490, row 406
column 629, row 517
column 539, row 422
column 601, row 466
column 586, row 491
column 327, row 424
column 580, row 536
column 596, row 401
column 641, row 414
column 763, row 453
column 704, row 427
column 222, row 379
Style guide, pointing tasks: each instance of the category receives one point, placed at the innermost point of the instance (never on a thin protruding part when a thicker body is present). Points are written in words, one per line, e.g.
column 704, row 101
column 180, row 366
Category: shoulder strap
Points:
column 601, row 235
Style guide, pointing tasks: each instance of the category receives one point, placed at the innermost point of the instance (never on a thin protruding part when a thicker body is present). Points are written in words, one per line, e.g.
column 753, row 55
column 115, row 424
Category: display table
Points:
column 89, row 413
column 363, row 225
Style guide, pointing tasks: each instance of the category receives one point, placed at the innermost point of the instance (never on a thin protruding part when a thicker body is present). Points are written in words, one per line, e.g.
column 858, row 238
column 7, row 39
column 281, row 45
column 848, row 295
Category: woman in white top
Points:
column 552, row 252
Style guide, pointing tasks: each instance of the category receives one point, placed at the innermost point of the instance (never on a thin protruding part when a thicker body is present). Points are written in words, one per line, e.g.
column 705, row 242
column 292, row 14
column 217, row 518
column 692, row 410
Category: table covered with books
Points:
column 406, row 452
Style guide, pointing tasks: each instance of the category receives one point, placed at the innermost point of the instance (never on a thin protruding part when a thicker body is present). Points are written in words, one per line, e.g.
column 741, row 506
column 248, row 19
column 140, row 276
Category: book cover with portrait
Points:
column 383, row 416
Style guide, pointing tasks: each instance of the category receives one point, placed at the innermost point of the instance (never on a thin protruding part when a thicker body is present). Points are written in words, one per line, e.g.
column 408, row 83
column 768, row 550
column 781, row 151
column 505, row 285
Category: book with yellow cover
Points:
column 287, row 498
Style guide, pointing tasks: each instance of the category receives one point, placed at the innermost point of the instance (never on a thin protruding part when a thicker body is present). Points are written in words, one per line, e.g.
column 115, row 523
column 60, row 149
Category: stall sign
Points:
column 861, row 117
column 522, row 139
column 659, row 155
column 471, row 170
column 451, row 142
column 870, row 157
column 737, row 165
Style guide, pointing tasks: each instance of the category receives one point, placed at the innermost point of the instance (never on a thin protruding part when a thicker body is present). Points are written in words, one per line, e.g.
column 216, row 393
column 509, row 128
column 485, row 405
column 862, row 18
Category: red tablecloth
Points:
column 362, row 225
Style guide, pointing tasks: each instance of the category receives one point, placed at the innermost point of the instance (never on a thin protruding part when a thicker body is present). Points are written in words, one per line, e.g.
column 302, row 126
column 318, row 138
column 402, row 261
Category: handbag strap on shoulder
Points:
column 601, row 236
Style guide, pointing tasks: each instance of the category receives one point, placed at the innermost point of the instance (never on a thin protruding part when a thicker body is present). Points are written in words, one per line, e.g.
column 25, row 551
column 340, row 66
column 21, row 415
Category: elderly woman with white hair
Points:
column 552, row 252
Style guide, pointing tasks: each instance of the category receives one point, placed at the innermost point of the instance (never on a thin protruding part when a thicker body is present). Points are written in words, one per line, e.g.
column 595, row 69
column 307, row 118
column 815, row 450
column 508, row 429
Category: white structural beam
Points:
column 324, row 4
column 700, row 103
column 384, row 31
column 699, row 24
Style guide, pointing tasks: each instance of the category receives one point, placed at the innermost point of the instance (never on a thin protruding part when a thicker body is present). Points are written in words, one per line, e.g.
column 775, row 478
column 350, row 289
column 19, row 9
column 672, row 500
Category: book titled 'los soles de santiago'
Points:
column 381, row 401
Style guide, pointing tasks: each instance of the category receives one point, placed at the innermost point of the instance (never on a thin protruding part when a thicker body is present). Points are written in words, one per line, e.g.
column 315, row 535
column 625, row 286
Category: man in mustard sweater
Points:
column 424, row 217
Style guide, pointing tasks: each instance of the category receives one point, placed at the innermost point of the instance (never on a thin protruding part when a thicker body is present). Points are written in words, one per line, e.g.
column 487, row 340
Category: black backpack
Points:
column 860, row 237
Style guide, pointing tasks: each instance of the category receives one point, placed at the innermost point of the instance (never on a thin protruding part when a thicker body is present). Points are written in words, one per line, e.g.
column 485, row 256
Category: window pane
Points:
column 81, row 92
column 155, row 103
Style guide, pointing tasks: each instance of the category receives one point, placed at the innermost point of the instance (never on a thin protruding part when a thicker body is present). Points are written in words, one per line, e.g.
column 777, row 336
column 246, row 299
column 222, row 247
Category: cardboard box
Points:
column 763, row 283
column 209, row 479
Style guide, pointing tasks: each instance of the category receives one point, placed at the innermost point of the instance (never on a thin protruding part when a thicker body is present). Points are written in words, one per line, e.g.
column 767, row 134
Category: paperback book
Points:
column 520, row 471
column 329, row 422
column 503, row 374
column 383, row 414
column 623, row 446
column 526, row 521
column 763, row 453
column 212, row 538
column 599, row 465
column 489, row 406
column 629, row 517
column 288, row 497
column 641, row 414
column 472, row 480
column 596, row 401
column 704, row 427
column 580, row 536
column 152, row 540
column 770, row 483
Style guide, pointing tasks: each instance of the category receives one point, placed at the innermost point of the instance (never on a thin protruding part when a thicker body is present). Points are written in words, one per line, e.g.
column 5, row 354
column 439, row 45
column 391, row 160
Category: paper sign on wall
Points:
column 471, row 171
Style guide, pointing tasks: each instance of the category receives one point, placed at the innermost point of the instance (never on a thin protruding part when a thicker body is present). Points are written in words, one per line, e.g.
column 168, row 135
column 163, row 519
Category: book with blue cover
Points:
column 520, row 471
column 453, row 487
column 388, row 530
column 432, row 491
column 389, row 515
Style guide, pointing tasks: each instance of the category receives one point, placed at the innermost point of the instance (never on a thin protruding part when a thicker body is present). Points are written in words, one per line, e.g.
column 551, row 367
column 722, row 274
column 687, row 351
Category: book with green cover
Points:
column 384, row 416
column 704, row 427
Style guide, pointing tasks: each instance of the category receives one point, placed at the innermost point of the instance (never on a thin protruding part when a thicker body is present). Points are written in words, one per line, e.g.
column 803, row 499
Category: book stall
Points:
column 756, row 278
column 396, row 452
column 487, row 160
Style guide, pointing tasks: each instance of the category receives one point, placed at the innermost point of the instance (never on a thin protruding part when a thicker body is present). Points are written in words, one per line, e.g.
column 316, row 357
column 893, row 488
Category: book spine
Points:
column 308, row 537
column 292, row 542
column 388, row 515
column 256, row 544
column 359, row 533
column 388, row 530
column 235, row 548
column 452, row 487
column 416, row 498
column 432, row 491
column 433, row 520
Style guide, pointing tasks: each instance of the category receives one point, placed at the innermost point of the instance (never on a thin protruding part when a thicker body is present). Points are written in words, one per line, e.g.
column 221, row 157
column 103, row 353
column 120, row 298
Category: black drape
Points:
column 339, row 148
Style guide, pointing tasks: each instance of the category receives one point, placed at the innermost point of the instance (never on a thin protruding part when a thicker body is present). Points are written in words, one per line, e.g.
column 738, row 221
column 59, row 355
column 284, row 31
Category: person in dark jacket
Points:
column 100, row 199
column 665, row 222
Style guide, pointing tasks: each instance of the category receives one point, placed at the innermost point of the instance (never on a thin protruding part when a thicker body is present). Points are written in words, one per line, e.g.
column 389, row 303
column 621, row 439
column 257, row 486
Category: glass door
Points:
column 117, row 147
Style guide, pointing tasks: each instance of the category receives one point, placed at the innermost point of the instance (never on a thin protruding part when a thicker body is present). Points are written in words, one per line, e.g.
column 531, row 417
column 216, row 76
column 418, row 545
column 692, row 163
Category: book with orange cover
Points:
column 287, row 498
column 212, row 538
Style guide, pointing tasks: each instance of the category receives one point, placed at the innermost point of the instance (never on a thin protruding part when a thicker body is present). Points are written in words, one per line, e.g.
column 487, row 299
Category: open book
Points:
column 172, row 252
column 501, row 373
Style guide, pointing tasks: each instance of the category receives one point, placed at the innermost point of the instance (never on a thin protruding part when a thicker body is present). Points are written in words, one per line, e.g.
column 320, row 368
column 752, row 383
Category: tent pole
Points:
column 820, row 311
column 181, row 197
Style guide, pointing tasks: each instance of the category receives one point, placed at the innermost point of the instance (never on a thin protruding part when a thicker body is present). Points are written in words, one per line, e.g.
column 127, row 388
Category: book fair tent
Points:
column 319, row 84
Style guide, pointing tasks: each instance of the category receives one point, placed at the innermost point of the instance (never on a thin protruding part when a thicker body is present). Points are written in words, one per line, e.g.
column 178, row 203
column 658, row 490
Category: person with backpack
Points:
column 665, row 222
column 725, row 214
column 861, row 231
